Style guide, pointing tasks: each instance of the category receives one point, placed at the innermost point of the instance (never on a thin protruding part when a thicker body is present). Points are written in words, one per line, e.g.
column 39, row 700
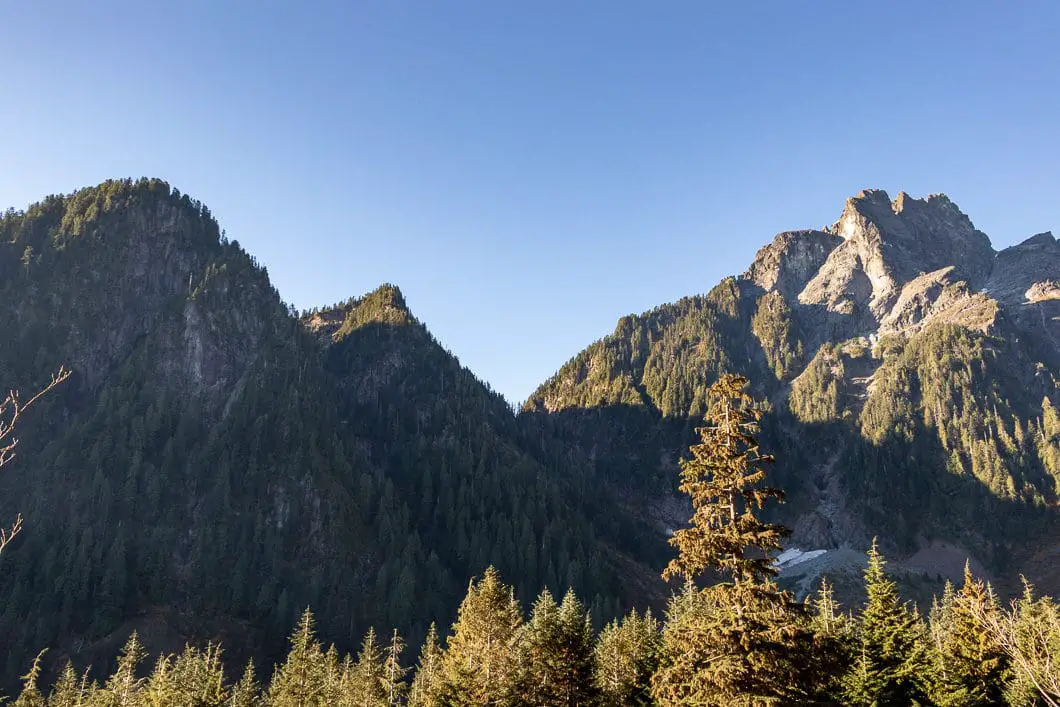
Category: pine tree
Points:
column 743, row 642
column 427, row 684
column 369, row 682
column 122, row 689
column 31, row 695
column 972, row 667
column 394, row 673
column 834, row 633
column 723, row 479
column 298, row 682
column 575, row 678
column 625, row 657
column 333, row 684
column 892, row 664
column 246, row 692
column 198, row 677
column 478, row 664
column 71, row 690
column 160, row 689
column 537, row 661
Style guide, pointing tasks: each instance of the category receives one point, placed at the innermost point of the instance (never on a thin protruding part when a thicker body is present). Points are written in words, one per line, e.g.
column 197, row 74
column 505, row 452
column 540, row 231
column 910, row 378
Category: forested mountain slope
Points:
column 217, row 463
column 912, row 372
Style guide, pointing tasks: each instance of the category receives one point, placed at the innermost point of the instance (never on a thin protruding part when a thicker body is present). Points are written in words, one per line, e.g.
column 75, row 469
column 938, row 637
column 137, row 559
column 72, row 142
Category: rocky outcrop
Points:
column 788, row 263
column 886, row 245
column 1035, row 261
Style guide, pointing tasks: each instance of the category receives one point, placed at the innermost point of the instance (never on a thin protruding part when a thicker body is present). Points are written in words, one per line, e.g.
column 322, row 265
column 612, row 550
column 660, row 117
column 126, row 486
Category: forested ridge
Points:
column 740, row 640
column 217, row 462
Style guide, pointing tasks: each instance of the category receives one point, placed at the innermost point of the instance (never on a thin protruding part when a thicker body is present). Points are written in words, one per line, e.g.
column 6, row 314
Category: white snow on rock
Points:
column 794, row 556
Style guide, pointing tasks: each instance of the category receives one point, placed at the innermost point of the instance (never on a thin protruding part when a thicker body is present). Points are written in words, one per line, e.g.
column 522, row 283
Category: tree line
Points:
column 730, row 634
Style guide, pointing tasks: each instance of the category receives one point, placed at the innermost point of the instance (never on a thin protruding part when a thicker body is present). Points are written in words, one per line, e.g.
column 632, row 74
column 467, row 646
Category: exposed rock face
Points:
column 1021, row 267
column 886, row 245
column 788, row 263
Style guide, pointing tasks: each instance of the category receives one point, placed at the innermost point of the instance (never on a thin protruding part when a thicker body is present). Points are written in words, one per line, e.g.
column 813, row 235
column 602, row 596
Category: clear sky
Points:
column 528, row 172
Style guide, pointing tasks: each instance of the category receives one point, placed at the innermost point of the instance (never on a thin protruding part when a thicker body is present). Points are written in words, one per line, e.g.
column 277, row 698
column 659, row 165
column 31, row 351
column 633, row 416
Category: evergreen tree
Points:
column 246, row 692
column 298, row 682
column 625, row 657
column 971, row 665
column 537, row 662
column 394, row 673
column 834, row 632
column 198, row 677
column 70, row 690
column 723, row 480
column 334, row 685
column 478, row 664
column 426, row 686
column 160, row 689
column 892, row 664
column 575, row 678
column 31, row 695
column 369, row 681
column 744, row 642
column 1030, row 635
column 122, row 689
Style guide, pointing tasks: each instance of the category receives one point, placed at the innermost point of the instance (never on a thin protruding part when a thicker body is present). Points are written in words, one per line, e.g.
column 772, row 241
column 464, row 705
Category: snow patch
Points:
column 794, row 556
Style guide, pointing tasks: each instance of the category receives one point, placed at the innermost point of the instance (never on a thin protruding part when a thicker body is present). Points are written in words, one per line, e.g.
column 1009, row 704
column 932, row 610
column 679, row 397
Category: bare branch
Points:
column 11, row 409
column 7, row 536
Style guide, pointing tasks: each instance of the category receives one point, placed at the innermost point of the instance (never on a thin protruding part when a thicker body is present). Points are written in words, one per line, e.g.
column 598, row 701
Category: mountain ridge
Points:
column 214, row 464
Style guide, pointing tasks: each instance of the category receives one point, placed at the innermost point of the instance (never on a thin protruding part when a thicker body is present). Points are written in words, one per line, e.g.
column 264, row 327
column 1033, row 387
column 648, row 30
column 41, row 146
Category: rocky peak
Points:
column 383, row 305
column 887, row 244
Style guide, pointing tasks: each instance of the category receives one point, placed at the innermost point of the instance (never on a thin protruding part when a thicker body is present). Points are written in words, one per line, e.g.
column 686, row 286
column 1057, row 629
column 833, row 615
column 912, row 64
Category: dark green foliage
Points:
column 891, row 660
column 220, row 462
column 554, row 657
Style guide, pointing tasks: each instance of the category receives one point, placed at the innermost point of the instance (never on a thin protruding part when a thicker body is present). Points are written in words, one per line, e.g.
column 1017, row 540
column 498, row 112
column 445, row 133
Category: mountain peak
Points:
column 383, row 305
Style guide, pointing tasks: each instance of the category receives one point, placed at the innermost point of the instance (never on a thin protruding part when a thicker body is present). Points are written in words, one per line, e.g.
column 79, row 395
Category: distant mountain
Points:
column 911, row 369
column 218, row 462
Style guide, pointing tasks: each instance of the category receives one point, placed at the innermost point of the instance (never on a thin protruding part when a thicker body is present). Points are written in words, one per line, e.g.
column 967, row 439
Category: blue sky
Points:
column 528, row 172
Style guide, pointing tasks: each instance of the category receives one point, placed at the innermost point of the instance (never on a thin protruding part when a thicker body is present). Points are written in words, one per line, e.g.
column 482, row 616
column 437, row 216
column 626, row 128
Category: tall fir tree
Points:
column 426, row 689
column 479, row 663
column 724, row 478
column 834, row 635
column 394, row 672
column 554, row 657
column 745, row 641
column 369, row 680
column 575, row 679
column 298, row 681
column 71, row 690
column 971, row 665
column 122, row 689
column 892, row 663
column 246, row 692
